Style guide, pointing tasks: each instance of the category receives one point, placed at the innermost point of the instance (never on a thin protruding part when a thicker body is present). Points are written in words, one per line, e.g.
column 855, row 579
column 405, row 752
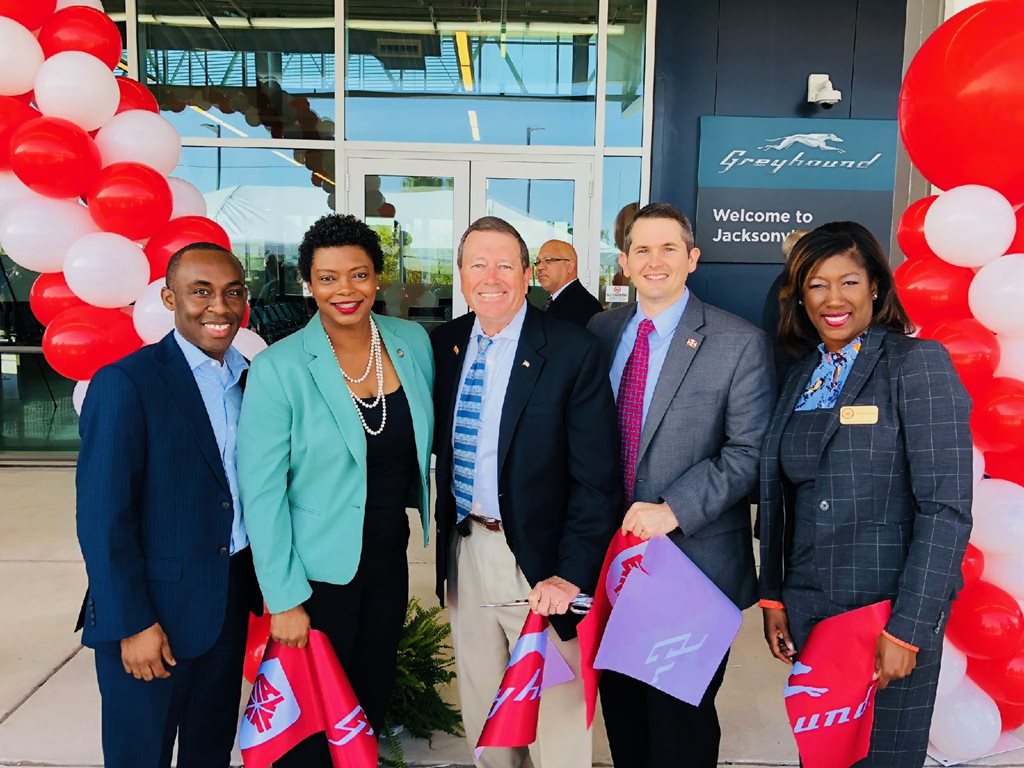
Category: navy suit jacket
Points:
column 575, row 304
column 154, row 509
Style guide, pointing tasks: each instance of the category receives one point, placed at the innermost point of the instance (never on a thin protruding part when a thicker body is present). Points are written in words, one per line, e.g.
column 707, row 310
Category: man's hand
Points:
column 290, row 627
column 776, row 634
column 144, row 654
column 892, row 661
column 649, row 520
column 552, row 596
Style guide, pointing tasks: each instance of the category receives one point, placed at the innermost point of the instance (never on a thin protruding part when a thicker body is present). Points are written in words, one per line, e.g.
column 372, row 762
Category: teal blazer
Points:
column 302, row 457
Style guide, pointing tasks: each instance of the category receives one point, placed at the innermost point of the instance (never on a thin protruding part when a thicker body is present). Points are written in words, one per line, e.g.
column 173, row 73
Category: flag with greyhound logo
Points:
column 299, row 692
column 830, row 695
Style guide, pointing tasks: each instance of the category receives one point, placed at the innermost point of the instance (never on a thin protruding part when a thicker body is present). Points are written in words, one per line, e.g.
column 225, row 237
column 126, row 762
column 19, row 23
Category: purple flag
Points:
column 671, row 626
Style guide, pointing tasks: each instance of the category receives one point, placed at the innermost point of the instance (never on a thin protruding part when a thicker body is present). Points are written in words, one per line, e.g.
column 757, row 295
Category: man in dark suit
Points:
column 527, row 490
column 557, row 274
column 170, row 574
column 694, row 391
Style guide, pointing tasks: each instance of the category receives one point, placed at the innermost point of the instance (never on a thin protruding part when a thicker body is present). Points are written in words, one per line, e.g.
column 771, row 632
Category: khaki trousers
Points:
column 483, row 570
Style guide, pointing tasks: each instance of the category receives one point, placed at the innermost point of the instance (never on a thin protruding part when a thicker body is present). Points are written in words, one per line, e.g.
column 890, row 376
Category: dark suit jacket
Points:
column 558, row 452
column 575, row 304
column 702, row 436
column 894, row 497
column 154, row 509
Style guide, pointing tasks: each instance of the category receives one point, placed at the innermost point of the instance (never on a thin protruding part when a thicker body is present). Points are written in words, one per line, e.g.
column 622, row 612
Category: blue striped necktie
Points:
column 467, row 430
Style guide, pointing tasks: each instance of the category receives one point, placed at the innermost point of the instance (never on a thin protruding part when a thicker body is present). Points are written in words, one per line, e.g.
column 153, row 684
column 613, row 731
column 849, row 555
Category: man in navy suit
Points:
column 557, row 274
column 159, row 522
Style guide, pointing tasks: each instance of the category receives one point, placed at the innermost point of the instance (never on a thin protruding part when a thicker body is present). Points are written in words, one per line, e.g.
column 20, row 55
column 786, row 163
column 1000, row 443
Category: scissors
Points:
column 579, row 605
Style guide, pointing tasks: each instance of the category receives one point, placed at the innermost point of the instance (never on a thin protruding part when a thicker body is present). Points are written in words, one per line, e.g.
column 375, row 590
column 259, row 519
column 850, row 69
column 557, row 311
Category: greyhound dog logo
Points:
column 793, row 690
column 812, row 140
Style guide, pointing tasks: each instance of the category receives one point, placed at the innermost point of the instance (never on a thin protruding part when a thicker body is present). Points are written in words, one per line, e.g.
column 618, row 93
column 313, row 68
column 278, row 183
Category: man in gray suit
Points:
column 694, row 390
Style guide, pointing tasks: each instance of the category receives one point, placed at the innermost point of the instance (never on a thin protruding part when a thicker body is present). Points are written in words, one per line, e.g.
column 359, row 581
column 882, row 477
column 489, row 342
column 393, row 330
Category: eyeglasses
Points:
column 548, row 261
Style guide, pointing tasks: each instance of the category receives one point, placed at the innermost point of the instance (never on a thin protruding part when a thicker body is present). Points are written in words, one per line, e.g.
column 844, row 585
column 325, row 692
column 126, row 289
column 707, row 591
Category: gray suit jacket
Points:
column 702, row 437
column 894, row 497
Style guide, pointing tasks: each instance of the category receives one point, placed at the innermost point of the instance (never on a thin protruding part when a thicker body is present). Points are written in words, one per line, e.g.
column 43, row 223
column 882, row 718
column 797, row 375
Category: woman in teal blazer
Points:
column 333, row 445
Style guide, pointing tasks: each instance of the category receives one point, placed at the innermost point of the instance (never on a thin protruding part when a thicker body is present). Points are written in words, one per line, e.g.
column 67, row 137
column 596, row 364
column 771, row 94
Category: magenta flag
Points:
column 671, row 626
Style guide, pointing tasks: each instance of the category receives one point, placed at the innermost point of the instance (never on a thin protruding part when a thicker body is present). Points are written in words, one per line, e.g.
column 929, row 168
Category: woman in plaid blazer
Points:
column 866, row 478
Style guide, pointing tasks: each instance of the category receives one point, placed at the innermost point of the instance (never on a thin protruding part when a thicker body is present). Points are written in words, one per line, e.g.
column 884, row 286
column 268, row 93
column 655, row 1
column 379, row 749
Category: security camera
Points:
column 821, row 91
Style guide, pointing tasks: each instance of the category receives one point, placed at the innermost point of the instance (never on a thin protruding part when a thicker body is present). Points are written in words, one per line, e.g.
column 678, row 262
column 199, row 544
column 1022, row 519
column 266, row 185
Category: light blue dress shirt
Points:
column 501, row 356
column 222, row 395
column 665, row 323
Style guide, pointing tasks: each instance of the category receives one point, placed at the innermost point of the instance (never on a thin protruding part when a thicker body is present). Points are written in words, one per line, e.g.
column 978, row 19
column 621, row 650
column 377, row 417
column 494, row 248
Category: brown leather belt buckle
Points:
column 487, row 522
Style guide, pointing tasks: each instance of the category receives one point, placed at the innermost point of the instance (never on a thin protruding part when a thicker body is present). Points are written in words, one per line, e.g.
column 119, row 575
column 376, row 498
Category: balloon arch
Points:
column 962, row 122
column 85, row 194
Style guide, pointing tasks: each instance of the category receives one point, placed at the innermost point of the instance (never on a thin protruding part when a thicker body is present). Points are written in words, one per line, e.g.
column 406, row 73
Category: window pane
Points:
column 266, row 200
column 619, row 200
column 35, row 405
column 240, row 68
column 624, row 109
column 471, row 72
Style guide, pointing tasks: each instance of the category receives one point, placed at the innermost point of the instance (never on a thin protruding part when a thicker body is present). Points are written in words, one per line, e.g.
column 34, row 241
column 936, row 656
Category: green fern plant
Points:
column 424, row 663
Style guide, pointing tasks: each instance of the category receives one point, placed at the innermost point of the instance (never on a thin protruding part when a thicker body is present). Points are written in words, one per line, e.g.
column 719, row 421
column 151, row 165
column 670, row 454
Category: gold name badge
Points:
column 859, row 414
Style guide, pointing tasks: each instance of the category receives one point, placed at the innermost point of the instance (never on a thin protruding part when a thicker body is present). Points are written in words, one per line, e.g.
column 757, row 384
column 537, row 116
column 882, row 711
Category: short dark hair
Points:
column 334, row 231
column 495, row 224
column 175, row 260
column 659, row 211
column 796, row 332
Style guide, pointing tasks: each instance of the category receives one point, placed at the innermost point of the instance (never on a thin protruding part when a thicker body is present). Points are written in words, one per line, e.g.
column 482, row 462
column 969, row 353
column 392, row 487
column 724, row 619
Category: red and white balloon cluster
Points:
column 963, row 285
column 85, row 197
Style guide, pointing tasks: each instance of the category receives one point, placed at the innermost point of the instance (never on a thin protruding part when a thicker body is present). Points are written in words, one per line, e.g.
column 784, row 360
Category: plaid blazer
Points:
column 893, row 498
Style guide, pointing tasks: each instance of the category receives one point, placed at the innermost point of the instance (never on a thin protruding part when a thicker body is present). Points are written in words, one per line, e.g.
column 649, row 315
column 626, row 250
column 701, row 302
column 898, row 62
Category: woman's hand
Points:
column 892, row 661
column 290, row 627
column 776, row 633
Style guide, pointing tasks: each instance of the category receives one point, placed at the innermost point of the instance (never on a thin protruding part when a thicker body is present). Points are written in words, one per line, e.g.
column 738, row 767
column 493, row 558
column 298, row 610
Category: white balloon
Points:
column 996, row 295
column 969, row 226
column 188, row 201
column 78, row 396
column 106, row 270
column 140, row 136
column 20, row 58
column 12, row 191
column 1011, row 357
column 998, row 512
column 77, row 87
column 249, row 343
column 62, row 4
column 952, row 670
column 978, row 464
column 1006, row 571
column 152, row 319
column 966, row 722
column 38, row 231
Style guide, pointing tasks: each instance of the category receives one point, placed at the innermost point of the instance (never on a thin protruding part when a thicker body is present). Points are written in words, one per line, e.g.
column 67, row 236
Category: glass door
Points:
column 420, row 208
column 544, row 201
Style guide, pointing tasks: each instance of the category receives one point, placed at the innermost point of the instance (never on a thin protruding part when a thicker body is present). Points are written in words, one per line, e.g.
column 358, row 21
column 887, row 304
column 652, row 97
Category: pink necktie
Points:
column 631, row 405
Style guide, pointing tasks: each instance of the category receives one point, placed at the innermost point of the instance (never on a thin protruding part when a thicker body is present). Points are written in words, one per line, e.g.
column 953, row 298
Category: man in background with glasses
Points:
column 556, row 273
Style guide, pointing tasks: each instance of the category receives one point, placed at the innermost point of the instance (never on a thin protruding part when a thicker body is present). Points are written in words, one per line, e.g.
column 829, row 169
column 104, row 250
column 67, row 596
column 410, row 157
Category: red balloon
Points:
column 1005, row 465
column 31, row 14
column 185, row 230
column 134, row 95
column 81, row 340
column 1002, row 679
column 959, row 109
column 997, row 420
column 910, row 230
column 1012, row 715
column 986, row 622
column 973, row 348
column 54, row 157
column 130, row 199
column 13, row 114
column 1017, row 246
column 80, row 28
column 256, row 643
column 933, row 291
column 973, row 565
column 50, row 295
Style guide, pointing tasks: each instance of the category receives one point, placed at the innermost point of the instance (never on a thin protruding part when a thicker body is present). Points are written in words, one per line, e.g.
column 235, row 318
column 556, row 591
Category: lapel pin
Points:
column 401, row 353
column 526, row 363
column 691, row 343
column 455, row 349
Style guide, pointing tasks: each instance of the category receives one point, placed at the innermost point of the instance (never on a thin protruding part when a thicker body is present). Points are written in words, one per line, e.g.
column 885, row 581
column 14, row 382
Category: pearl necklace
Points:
column 375, row 360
